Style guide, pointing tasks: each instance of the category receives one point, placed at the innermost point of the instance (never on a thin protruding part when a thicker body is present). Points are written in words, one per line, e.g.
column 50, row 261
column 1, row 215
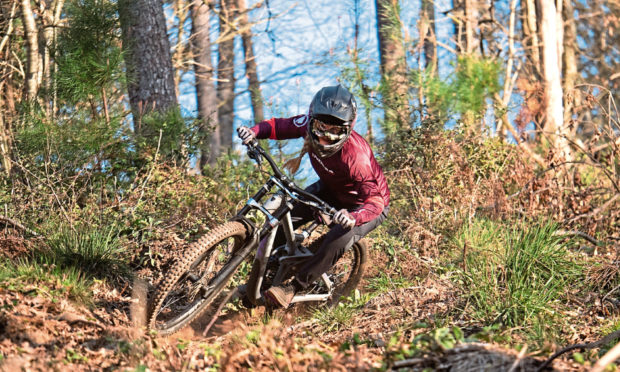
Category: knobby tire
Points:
column 196, row 254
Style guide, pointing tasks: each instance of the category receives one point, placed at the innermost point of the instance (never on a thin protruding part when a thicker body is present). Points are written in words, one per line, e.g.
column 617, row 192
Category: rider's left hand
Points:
column 344, row 218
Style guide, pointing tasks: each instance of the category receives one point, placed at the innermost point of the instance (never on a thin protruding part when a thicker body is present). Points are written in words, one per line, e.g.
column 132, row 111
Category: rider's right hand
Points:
column 246, row 134
column 344, row 218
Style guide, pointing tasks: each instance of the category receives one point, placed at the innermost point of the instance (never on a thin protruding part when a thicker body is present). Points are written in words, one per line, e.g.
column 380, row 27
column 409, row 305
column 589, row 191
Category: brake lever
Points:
column 253, row 152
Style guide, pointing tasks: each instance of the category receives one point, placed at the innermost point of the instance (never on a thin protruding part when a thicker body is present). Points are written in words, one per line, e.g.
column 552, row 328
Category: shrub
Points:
column 441, row 178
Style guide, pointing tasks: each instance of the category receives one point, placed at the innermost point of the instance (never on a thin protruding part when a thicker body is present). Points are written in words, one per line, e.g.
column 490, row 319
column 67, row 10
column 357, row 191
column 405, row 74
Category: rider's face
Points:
column 325, row 141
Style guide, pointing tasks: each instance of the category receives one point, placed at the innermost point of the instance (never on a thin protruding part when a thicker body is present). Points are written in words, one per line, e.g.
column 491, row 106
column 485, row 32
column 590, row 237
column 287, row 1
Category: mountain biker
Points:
column 350, row 179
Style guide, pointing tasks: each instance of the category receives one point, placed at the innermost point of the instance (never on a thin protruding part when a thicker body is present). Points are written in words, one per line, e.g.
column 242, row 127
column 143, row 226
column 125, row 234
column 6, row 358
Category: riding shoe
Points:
column 280, row 295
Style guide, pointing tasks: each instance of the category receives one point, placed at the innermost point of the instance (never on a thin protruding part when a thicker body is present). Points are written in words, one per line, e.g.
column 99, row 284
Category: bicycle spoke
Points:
column 196, row 287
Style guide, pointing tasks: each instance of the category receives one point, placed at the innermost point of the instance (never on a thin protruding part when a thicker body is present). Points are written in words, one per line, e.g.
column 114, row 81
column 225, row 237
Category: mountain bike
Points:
column 220, row 261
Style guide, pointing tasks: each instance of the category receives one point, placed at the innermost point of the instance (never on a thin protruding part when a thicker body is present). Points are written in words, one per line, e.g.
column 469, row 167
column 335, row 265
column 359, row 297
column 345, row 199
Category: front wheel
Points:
column 197, row 277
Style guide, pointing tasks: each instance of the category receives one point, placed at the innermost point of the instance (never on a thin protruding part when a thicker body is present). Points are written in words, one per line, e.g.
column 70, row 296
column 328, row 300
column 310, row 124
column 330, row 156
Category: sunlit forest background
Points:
column 496, row 124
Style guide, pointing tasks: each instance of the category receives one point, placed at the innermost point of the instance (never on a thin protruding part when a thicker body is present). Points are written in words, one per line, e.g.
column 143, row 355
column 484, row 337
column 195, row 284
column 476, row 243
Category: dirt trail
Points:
column 40, row 334
column 41, row 330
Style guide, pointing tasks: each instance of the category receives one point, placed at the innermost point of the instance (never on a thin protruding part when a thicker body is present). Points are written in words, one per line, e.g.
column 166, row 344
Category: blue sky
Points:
column 302, row 49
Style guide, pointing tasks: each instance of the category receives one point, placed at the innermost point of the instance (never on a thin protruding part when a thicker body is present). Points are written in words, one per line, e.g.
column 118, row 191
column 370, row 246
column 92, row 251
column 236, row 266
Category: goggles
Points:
column 326, row 129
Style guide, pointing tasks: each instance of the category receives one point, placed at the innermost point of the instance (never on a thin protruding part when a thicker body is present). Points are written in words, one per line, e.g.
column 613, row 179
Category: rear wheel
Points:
column 195, row 280
column 347, row 273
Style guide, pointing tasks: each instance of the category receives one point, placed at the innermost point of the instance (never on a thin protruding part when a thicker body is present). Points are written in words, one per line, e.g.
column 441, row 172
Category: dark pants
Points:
column 336, row 242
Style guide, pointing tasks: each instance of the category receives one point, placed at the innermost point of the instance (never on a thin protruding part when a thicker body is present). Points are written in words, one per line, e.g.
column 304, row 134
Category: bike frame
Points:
column 277, row 211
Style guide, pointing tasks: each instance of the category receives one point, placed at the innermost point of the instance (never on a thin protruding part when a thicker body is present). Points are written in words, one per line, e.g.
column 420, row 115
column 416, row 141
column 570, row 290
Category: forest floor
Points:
column 43, row 329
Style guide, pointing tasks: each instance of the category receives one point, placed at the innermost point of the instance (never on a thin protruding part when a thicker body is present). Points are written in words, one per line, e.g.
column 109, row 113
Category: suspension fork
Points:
column 277, row 211
column 230, row 268
column 259, row 266
column 253, row 202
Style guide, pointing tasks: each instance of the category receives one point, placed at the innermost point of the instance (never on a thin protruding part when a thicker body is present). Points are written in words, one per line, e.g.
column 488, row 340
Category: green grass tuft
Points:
column 335, row 318
column 95, row 252
column 515, row 276
column 386, row 283
column 47, row 280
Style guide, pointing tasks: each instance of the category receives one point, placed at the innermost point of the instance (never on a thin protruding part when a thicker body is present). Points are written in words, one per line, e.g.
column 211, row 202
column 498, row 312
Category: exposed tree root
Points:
column 590, row 345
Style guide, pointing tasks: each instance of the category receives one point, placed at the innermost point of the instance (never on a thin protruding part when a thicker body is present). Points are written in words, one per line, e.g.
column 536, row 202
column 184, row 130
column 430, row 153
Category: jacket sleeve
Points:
column 373, row 203
column 367, row 190
column 281, row 128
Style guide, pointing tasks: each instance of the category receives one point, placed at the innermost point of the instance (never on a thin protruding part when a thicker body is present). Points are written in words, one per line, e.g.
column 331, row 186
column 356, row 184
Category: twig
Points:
column 607, row 359
column 297, row 326
column 73, row 319
column 590, row 345
column 608, row 293
column 18, row 225
column 219, row 309
column 553, row 167
column 595, row 163
column 51, row 187
column 598, row 210
column 518, row 359
column 7, row 34
column 579, row 234
column 410, row 362
column 465, row 256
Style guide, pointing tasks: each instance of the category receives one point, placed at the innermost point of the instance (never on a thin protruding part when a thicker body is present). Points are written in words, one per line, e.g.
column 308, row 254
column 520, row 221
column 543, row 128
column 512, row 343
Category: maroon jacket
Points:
column 353, row 175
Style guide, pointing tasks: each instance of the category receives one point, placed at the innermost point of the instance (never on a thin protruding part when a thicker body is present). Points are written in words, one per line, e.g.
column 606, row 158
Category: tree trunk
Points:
column 503, row 123
column 530, row 36
column 180, row 51
column 51, row 19
column 205, row 88
column 488, row 28
column 393, row 65
column 364, row 90
column 428, row 48
column 458, row 23
column 226, row 75
column 471, row 25
column 150, row 79
column 7, row 100
column 251, row 69
column 554, row 113
column 465, row 19
column 427, row 35
column 572, row 96
column 31, row 86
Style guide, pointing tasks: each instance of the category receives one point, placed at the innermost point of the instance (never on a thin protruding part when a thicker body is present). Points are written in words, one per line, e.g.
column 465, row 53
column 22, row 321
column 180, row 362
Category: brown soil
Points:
column 13, row 245
column 39, row 332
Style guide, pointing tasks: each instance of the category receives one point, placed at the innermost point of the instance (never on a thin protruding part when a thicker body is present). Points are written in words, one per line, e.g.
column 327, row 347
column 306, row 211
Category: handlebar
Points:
column 256, row 152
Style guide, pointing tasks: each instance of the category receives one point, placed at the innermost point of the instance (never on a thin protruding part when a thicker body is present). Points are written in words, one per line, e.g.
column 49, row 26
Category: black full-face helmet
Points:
column 332, row 116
